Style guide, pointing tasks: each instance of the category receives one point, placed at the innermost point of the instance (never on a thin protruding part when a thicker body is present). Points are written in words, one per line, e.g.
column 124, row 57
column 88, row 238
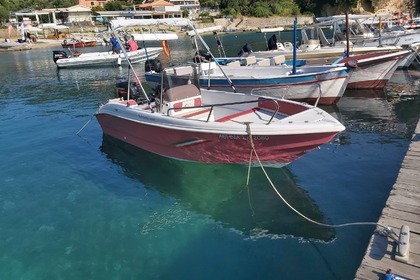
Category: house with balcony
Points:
column 192, row 6
column 92, row 3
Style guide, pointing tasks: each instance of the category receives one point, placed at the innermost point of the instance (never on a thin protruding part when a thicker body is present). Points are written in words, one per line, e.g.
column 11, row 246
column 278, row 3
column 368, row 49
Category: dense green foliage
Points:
column 9, row 6
column 253, row 8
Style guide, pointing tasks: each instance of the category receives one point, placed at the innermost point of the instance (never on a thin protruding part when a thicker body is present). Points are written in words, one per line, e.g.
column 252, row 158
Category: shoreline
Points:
column 45, row 42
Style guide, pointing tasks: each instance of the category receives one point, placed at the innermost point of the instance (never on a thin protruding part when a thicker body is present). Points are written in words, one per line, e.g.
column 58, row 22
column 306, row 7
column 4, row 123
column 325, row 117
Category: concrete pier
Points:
column 398, row 252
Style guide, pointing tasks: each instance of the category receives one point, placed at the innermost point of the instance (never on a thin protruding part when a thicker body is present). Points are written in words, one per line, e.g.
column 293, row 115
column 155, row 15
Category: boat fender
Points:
column 119, row 61
column 166, row 48
column 351, row 64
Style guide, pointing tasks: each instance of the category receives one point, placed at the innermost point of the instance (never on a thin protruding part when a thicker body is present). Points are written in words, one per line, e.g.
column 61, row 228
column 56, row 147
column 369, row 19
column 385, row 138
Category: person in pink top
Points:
column 132, row 44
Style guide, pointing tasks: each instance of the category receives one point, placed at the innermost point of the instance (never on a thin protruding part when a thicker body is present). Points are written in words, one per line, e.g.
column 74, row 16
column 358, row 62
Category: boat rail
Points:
column 265, row 92
column 211, row 106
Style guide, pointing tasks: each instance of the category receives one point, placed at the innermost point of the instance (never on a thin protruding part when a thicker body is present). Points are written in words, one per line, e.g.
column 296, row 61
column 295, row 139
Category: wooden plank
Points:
column 414, row 146
column 412, row 188
column 406, row 193
column 407, row 269
column 410, row 174
column 403, row 207
column 403, row 199
column 411, row 157
column 401, row 215
column 400, row 268
column 389, row 221
column 408, row 180
column 410, row 162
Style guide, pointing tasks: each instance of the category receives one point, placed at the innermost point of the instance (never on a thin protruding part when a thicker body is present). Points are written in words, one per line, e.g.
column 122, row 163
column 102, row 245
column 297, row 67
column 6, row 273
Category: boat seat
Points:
column 264, row 62
column 181, row 71
column 181, row 96
column 250, row 60
column 234, row 63
column 288, row 45
column 181, row 92
column 279, row 59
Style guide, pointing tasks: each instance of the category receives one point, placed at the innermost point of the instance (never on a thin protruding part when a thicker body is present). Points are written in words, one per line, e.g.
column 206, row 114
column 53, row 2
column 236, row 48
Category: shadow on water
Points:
column 220, row 192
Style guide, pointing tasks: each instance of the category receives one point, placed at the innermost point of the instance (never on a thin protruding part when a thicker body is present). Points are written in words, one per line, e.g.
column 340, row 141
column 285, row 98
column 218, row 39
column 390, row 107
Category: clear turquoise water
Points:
column 89, row 207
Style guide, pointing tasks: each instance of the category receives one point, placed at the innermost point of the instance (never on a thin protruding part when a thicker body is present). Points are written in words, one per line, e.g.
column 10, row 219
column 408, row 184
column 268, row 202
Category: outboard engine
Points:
column 201, row 56
column 245, row 49
column 272, row 43
column 121, row 90
column 153, row 65
column 58, row 55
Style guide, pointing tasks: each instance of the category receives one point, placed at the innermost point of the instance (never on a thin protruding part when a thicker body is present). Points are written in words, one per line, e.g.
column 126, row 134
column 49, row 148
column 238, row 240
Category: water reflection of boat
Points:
column 403, row 82
column 367, row 110
column 367, row 103
column 219, row 192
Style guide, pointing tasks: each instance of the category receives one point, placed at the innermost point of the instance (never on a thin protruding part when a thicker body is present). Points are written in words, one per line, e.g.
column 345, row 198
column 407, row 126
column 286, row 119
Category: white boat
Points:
column 368, row 30
column 66, row 59
column 314, row 47
column 13, row 46
column 314, row 84
column 317, row 52
column 370, row 70
column 271, row 29
column 322, row 85
column 205, row 30
column 373, row 70
column 188, row 123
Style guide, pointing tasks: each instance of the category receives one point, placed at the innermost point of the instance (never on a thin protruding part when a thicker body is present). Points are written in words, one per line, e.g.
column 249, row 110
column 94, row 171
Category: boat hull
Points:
column 374, row 70
column 222, row 134
column 206, row 147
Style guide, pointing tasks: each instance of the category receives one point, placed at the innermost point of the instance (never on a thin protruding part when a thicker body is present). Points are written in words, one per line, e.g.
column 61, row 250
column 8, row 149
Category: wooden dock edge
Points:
column 402, row 209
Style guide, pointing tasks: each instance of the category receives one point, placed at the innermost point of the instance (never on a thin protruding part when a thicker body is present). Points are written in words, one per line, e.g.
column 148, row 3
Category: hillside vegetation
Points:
column 236, row 8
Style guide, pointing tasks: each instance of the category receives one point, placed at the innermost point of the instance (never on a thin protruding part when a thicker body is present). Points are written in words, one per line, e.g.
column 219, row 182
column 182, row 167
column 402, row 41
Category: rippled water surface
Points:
column 90, row 207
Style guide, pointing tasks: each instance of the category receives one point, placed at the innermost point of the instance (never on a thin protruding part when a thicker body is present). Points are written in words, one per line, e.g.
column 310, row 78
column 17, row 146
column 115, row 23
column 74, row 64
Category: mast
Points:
column 294, row 45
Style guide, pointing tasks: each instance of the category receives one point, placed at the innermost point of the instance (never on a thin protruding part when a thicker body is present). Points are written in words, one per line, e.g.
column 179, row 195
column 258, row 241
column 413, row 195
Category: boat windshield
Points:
column 178, row 76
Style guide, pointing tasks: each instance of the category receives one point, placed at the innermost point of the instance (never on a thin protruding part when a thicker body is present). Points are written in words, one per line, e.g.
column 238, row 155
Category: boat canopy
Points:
column 124, row 23
column 154, row 36
column 207, row 29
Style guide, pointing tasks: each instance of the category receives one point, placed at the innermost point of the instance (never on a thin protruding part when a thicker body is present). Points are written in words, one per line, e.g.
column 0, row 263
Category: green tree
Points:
column 306, row 6
column 113, row 6
column 4, row 14
column 286, row 8
column 261, row 9
column 185, row 13
column 212, row 4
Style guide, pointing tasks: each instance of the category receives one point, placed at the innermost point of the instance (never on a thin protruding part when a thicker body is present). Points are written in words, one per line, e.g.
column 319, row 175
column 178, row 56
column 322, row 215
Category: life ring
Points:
column 166, row 48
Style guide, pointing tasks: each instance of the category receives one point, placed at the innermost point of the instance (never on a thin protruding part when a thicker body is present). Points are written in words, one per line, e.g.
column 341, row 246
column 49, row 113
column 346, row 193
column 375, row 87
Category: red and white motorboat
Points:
column 374, row 70
column 188, row 123
column 73, row 43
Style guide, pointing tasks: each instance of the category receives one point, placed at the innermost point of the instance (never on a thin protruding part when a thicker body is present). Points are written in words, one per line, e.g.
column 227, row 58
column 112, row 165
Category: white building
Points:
column 193, row 6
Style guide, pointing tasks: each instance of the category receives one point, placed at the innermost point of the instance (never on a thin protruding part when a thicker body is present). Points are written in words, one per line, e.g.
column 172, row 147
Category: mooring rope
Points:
column 388, row 231
column 247, row 183
column 83, row 127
